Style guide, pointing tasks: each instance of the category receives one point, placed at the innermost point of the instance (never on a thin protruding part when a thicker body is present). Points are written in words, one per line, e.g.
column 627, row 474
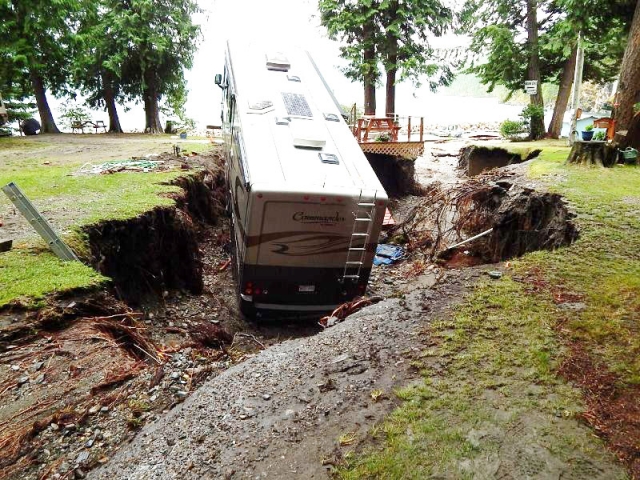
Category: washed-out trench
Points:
column 118, row 359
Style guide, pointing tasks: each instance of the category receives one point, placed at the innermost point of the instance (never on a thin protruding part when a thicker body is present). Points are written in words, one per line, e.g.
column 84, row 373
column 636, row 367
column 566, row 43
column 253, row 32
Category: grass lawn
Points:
column 503, row 345
column 44, row 167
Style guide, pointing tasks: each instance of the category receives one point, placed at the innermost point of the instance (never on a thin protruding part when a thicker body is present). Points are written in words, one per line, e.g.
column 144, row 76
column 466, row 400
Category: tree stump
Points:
column 593, row 153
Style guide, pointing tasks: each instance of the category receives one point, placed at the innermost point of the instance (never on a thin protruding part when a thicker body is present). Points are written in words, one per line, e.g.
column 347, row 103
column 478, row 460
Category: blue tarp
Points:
column 387, row 254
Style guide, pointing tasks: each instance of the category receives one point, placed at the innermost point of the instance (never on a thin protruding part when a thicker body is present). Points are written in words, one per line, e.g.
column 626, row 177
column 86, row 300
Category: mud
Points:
column 281, row 413
column 475, row 160
column 90, row 362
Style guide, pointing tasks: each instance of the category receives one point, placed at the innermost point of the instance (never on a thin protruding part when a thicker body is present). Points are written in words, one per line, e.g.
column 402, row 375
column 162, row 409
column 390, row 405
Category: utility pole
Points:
column 577, row 86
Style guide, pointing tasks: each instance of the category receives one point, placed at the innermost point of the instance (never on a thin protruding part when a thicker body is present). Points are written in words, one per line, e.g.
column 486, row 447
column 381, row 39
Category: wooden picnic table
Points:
column 377, row 125
column 88, row 124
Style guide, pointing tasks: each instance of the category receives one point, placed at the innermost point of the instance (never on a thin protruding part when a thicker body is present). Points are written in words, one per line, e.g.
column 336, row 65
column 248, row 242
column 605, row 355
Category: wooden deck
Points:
column 396, row 136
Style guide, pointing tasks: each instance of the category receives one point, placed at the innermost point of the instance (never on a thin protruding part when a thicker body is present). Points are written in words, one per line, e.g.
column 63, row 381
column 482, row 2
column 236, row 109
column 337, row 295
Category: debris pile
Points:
column 346, row 309
column 522, row 219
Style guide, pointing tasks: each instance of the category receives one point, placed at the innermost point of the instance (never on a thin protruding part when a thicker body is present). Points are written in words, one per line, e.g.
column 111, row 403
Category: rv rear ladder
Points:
column 362, row 219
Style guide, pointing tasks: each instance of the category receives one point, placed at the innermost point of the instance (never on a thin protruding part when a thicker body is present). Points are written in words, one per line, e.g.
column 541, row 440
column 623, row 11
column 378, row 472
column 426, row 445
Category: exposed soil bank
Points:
column 397, row 175
column 522, row 220
column 158, row 250
column 475, row 160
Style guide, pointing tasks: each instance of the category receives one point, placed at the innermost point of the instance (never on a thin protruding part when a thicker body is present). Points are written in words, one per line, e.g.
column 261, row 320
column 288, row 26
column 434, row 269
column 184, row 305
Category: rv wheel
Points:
column 248, row 310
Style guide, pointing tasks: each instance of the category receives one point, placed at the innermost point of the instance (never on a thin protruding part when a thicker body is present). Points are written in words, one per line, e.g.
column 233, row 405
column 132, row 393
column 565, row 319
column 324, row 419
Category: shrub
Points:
column 529, row 114
column 588, row 128
column 512, row 129
column 599, row 136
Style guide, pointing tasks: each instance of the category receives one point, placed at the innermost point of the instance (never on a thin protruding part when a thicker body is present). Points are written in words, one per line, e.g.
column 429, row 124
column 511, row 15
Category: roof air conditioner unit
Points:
column 278, row 61
column 306, row 134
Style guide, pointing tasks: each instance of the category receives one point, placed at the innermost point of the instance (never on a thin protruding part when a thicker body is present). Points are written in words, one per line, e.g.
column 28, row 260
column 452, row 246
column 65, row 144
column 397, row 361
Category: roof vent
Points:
column 329, row 158
column 306, row 134
column 278, row 61
column 260, row 106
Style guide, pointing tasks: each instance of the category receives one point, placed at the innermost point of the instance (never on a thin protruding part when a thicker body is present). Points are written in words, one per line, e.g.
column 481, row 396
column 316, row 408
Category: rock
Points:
column 54, row 427
column 104, row 409
column 495, row 274
column 40, row 378
column 182, row 394
column 575, row 306
column 95, row 409
column 266, row 396
column 37, row 366
column 82, row 457
column 15, row 368
column 89, row 443
column 70, row 426
column 23, row 380
column 175, row 375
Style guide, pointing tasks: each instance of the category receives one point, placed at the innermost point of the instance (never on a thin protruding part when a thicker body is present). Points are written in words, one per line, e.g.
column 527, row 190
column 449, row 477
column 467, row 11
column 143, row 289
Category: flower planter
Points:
column 587, row 135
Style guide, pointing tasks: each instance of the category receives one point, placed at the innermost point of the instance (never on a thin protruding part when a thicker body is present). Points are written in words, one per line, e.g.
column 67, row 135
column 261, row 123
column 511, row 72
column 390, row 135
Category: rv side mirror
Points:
column 219, row 80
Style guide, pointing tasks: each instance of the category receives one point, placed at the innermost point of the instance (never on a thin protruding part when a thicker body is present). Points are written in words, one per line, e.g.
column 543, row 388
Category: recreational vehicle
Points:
column 306, row 206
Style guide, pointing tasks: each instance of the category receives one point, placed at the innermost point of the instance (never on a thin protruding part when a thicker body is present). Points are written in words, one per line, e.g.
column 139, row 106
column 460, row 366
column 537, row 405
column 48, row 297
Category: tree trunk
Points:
column 151, row 110
column 533, row 69
column 390, row 104
column 47, row 123
column 391, row 65
column 555, row 127
column 371, row 71
column 632, row 139
column 593, row 153
column 110, row 101
column 628, row 92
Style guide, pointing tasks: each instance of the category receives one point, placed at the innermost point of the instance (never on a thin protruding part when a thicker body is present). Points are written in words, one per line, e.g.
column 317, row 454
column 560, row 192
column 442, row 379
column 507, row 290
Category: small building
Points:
column 586, row 119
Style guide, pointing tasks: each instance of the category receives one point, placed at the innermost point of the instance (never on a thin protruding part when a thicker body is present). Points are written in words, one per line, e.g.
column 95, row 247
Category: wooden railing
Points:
column 389, row 129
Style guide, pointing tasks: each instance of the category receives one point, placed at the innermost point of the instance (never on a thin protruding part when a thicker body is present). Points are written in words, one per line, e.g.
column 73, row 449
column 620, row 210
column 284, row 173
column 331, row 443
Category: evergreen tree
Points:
column 151, row 43
column 394, row 33
column 35, row 38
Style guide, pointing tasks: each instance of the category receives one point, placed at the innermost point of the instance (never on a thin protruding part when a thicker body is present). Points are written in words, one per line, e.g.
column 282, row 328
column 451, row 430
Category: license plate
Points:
column 306, row 288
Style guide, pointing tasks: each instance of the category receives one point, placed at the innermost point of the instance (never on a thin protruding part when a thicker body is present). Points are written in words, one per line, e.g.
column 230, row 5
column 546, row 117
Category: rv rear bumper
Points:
column 298, row 289
column 295, row 308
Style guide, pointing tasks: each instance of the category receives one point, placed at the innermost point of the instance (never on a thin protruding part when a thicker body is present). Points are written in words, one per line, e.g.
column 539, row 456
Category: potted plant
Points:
column 587, row 133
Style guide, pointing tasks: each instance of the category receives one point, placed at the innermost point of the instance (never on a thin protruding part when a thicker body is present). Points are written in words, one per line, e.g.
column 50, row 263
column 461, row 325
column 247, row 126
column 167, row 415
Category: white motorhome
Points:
column 306, row 206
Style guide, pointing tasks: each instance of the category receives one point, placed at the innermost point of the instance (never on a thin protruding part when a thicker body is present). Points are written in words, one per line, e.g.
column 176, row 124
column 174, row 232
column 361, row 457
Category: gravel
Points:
column 319, row 388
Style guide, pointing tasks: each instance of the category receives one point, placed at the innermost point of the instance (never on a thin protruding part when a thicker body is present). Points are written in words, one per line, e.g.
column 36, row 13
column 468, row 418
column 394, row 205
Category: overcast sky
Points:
column 296, row 22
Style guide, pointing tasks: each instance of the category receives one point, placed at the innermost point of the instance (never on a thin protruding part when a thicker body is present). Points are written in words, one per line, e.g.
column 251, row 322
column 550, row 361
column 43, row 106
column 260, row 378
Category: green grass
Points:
column 72, row 201
column 92, row 197
column 27, row 275
column 501, row 346
column 500, row 352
